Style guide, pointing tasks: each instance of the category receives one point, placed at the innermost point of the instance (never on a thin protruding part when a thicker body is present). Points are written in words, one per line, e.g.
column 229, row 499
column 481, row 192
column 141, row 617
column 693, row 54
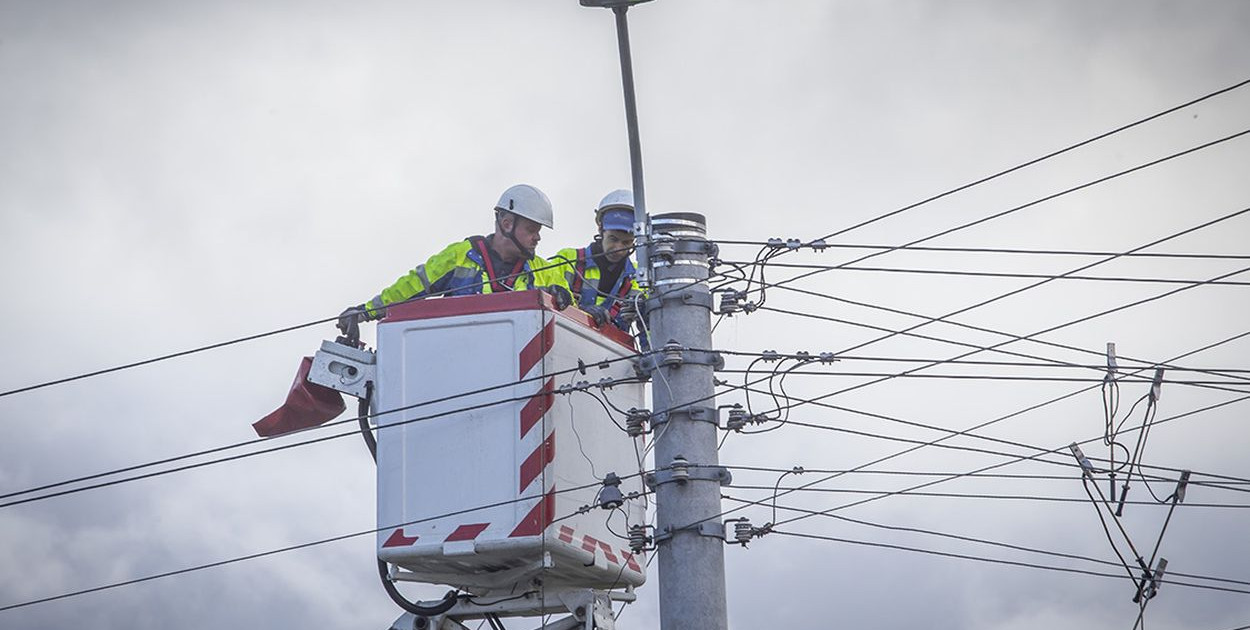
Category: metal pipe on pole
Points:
column 642, row 230
column 673, row 253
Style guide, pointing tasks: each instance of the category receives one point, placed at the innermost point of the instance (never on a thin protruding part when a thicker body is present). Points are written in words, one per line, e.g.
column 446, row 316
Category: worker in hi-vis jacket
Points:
column 601, row 275
column 503, row 261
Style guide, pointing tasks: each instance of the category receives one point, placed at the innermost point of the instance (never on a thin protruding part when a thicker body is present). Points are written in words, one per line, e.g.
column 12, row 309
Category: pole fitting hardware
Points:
column 674, row 355
column 690, row 297
column 639, row 539
column 636, row 421
column 682, row 471
column 694, row 412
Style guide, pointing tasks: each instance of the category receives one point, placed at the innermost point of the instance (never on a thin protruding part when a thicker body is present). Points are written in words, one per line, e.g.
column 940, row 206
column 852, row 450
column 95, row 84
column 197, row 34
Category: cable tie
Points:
column 1112, row 365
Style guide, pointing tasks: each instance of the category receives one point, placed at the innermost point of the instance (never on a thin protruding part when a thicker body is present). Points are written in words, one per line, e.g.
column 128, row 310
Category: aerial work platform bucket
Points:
column 483, row 464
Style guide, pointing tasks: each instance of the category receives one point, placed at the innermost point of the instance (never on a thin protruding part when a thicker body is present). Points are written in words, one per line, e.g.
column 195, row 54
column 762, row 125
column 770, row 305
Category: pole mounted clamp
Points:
column 690, row 296
column 694, row 412
column 711, row 529
column 674, row 355
column 682, row 471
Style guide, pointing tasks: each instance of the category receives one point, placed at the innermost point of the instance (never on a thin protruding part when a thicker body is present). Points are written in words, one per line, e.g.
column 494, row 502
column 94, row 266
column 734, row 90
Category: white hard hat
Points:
column 526, row 201
column 617, row 199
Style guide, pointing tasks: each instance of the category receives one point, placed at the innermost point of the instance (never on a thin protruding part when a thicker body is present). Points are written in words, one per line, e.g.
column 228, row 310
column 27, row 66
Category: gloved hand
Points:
column 628, row 312
column 350, row 319
column 560, row 295
column 597, row 313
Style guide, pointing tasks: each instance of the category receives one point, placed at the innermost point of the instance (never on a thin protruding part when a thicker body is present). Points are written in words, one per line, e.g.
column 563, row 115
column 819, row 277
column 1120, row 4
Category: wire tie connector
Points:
column 770, row 355
column 793, row 243
column 776, row 243
column 827, row 357
column 1087, row 468
column 1179, row 495
column 818, row 245
column 803, row 355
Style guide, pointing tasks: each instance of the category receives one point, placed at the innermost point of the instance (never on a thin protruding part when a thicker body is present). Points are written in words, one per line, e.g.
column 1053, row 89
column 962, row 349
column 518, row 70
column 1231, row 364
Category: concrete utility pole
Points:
column 673, row 254
column 688, row 476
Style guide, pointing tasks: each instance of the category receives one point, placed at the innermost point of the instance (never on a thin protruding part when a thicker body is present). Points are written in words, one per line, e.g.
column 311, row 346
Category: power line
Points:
column 997, row 349
column 996, row 274
column 239, row 340
column 1037, row 160
column 355, row 419
column 980, row 541
column 1015, row 563
column 1005, row 250
column 994, row 377
column 984, row 496
column 1018, row 208
column 306, row 545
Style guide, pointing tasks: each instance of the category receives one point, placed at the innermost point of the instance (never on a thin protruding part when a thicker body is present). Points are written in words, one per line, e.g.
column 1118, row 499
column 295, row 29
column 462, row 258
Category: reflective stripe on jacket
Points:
column 582, row 276
column 461, row 269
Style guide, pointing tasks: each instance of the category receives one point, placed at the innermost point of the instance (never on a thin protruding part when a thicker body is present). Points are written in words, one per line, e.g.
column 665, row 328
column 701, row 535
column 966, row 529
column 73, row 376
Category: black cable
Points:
column 996, row 561
column 1004, row 274
column 273, row 449
column 1031, row 335
column 995, row 377
column 1027, row 364
column 1037, row 160
column 1050, row 197
column 997, row 349
column 982, row 541
column 1001, row 250
column 288, row 548
column 973, row 495
column 254, row 337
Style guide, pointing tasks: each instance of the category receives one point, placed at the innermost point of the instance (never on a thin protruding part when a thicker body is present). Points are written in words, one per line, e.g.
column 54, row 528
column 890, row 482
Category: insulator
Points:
column 610, row 496
column 638, row 538
column 663, row 247
column 635, row 422
column 737, row 419
column 681, row 469
column 743, row 532
column 729, row 302
column 672, row 353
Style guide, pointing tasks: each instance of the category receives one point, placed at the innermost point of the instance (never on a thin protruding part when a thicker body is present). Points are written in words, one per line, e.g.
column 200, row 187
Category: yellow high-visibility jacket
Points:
column 464, row 268
column 582, row 275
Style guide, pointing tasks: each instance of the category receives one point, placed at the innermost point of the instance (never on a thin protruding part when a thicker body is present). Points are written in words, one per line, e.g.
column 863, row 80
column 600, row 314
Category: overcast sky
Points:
column 176, row 174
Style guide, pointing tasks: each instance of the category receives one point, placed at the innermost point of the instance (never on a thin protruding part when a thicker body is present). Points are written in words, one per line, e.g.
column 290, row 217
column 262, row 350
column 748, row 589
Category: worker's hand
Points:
column 628, row 312
column 350, row 319
column 560, row 295
column 597, row 313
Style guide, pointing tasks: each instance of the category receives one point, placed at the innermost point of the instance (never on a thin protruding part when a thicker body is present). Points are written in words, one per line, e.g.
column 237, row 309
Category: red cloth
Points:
column 307, row 405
